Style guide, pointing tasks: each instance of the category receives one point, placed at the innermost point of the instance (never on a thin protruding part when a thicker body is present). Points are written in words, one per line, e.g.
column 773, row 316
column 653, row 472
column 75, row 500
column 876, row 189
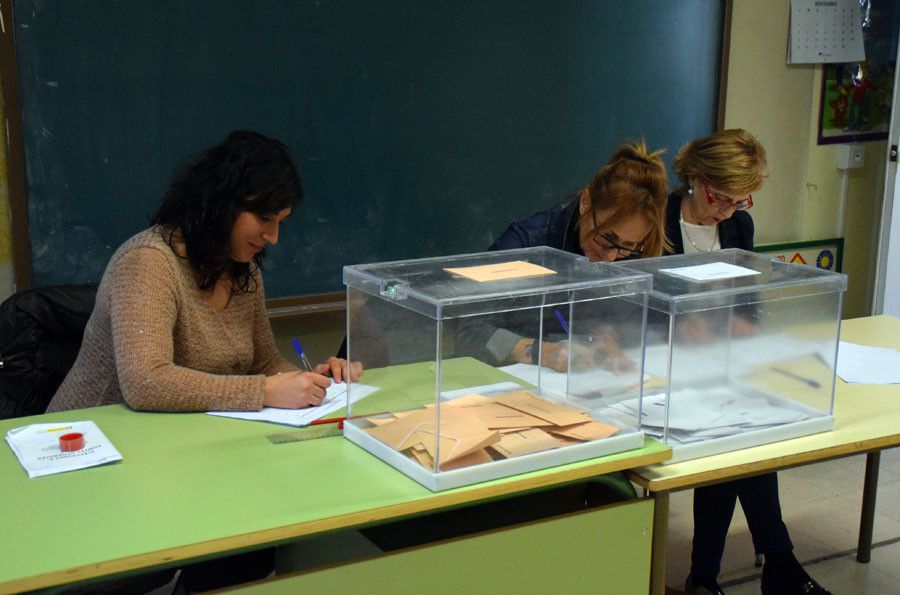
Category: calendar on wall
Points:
column 825, row 31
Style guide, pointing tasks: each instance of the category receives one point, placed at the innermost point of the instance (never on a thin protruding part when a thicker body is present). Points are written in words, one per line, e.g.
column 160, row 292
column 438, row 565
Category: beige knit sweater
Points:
column 155, row 343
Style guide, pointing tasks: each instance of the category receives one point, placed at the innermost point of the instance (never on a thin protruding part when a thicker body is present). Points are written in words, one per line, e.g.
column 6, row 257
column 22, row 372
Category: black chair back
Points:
column 40, row 335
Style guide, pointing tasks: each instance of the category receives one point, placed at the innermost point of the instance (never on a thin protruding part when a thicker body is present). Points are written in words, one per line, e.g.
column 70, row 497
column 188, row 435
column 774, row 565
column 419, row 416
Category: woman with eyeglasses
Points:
column 709, row 212
column 620, row 214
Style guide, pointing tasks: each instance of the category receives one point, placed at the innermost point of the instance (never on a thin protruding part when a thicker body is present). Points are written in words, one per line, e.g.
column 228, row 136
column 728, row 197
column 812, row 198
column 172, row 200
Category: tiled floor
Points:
column 821, row 507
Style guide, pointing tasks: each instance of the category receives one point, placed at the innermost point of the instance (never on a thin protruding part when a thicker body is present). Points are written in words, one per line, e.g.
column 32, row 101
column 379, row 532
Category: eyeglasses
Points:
column 724, row 203
column 608, row 243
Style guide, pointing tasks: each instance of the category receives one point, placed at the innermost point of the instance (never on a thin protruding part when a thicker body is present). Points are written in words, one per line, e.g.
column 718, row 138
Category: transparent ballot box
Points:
column 740, row 351
column 486, row 365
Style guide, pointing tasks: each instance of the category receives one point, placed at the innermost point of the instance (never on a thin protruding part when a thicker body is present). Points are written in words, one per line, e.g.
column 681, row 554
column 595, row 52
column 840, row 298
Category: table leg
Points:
column 660, row 543
column 867, row 518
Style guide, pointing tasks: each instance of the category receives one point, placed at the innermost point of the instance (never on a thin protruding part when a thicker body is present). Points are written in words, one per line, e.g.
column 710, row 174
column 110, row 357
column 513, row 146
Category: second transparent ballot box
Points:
column 740, row 350
column 485, row 365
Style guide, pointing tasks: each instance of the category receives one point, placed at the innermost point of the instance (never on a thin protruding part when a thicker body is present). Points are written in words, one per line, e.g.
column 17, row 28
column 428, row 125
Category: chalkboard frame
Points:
column 17, row 178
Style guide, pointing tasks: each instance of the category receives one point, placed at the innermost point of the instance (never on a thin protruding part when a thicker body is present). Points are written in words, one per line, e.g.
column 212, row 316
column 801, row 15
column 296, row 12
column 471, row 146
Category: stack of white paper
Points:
column 868, row 365
column 37, row 447
column 335, row 398
column 696, row 415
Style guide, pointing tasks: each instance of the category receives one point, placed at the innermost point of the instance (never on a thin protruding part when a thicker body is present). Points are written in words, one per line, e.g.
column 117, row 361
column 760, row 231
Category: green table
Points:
column 193, row 485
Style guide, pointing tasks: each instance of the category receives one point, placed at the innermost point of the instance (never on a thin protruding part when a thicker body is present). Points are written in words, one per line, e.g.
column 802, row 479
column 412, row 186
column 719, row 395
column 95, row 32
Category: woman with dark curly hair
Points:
column 180, row 321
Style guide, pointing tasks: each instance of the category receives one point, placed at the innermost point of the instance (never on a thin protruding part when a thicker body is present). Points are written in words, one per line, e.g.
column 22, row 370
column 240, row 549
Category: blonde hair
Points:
column 731, row 160
column 634, row 182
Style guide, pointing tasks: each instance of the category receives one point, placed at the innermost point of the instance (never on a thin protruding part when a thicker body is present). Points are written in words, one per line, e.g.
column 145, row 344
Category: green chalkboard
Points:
column 421, row 128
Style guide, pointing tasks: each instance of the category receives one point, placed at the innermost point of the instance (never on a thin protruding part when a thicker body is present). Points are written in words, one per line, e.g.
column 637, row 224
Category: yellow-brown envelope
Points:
column 400, row 434
column 590, row 431
column 502, row 270
column 555, row 413
column 516, row 444
column 458, row 438
column 473, row 458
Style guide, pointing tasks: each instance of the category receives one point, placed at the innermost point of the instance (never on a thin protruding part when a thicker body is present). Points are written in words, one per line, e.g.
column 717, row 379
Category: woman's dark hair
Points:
column 246, row 172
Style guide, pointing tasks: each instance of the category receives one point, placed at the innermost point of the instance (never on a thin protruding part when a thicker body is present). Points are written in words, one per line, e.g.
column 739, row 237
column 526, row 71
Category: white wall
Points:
column 800, row 199
column 891, row 304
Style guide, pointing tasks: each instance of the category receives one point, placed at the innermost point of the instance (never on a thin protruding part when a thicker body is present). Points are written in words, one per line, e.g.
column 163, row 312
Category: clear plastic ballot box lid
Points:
column 740, row 349
column 680, row 285
column 426, row 286
column 480, row 366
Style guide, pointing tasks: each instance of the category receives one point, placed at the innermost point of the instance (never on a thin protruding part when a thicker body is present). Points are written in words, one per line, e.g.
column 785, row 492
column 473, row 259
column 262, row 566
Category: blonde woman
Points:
column 710, row 211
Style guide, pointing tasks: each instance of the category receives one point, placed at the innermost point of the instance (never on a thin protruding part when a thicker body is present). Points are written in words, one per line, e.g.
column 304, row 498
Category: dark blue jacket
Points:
column 557, row 228
column 492, row 340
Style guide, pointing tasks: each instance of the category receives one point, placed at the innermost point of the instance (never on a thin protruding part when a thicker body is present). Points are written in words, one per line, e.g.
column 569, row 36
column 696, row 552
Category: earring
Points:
column 690, row 190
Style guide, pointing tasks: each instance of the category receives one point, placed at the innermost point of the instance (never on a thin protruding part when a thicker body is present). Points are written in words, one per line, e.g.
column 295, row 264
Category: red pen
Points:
column 329, row 420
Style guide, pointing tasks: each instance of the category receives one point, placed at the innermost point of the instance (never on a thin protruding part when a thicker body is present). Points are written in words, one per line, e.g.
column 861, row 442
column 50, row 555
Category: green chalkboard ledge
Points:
column 306, row 305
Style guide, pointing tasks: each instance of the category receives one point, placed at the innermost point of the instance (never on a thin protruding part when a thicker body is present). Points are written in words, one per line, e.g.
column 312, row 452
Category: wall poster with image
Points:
column 856, row 97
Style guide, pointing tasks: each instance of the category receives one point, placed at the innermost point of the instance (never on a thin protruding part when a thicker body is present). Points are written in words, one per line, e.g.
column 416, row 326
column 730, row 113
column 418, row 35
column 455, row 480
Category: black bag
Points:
column 40, row 335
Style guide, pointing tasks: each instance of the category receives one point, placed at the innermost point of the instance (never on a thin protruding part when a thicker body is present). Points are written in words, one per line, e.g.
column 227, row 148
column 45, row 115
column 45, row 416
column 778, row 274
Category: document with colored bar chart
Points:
column 41, row 452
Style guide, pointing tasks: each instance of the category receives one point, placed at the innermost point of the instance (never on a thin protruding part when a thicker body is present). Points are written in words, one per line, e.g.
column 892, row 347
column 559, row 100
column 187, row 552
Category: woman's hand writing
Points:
column 295, row 390
column 603, row 351
column 741, row 327
column 554, row 355
column 610, row 353
column 339, row 369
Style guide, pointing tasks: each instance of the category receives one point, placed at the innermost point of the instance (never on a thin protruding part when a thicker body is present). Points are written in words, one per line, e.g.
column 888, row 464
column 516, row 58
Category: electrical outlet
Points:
column 850, row 156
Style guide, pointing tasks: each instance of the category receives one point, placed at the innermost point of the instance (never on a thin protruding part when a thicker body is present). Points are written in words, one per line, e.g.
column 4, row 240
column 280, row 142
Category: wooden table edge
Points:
column 285, row 533
column 742, row 470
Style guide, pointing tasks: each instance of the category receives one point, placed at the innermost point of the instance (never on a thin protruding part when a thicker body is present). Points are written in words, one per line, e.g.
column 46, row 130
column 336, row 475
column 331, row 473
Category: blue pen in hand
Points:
column 302, row 355
column 562, row 321
column 565, row 327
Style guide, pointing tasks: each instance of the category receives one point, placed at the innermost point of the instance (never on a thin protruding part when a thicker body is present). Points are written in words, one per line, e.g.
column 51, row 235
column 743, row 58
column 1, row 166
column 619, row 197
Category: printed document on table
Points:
column 868, row 365
column 713, row 271
column 335, row 398
column 37, row 447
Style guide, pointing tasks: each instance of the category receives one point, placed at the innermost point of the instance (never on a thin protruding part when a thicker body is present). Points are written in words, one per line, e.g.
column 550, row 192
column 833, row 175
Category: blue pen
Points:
column 562, row 321
column 302, row 355
column 565, row 326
